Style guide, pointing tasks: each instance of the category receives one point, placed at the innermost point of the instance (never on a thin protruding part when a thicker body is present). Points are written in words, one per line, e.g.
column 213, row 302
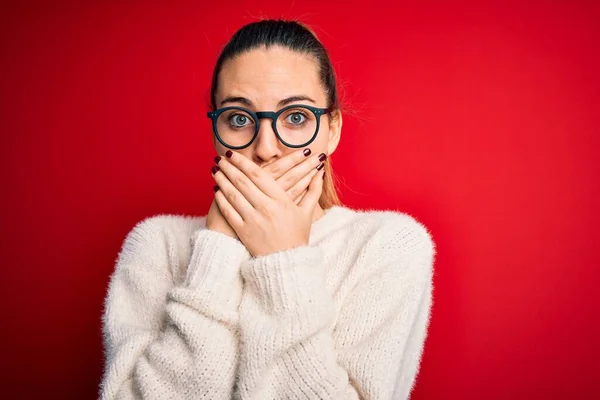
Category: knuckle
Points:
column 290, row 179
column 226, row 213
column 267, row 210
column 255, row 173
column 231, row 196
column 293, row 192
column 239, row 181
column 276, row 169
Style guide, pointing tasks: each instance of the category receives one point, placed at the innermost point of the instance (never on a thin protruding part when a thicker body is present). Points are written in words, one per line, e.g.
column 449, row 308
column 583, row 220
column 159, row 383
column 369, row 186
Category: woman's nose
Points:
column 266, row 144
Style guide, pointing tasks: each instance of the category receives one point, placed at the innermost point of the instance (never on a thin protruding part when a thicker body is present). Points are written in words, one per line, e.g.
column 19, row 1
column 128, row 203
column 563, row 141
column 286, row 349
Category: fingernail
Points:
column 322, row 157
column 216, row 188
column 217, row 159
column 306, row 152
column 229, row 153
column 320, row 166
column 215, row 169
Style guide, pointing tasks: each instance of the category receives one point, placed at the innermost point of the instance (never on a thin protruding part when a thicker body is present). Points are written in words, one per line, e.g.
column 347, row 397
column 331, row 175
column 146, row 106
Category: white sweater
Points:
column 190, row 314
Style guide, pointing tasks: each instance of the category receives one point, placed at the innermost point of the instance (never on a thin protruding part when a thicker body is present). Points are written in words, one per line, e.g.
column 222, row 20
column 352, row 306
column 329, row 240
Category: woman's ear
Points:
column 335, row 131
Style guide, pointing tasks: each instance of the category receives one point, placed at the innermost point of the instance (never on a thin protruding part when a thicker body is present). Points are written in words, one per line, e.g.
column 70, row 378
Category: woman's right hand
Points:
column 292, row 172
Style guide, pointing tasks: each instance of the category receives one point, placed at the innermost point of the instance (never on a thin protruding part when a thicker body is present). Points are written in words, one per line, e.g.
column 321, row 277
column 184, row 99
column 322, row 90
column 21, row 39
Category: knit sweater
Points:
column 190, row 314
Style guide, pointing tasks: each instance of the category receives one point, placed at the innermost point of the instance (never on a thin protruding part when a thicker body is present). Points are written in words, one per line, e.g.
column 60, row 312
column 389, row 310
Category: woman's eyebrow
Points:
column 236, row 99
column 293, row 99
column 282, row 103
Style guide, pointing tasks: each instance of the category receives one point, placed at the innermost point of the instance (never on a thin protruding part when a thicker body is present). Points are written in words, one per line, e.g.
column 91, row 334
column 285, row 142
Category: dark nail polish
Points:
column 320, row 166
column 216, row 188
column 217, row 159
column 322, row 157
column 214, row 169
column 229, row 153
column 306, row 152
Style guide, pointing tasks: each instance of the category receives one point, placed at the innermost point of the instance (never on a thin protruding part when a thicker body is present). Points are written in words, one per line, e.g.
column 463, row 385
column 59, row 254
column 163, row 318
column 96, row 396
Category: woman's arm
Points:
column 290, row 347
column 170, row 340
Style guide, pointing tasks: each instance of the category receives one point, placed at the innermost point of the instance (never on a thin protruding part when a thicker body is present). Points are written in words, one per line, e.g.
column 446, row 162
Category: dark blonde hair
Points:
column 297, row 37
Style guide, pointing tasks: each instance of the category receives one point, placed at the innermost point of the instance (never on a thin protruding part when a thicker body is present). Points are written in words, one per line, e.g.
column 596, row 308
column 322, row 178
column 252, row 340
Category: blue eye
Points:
column 296, row 118
column 239, row 120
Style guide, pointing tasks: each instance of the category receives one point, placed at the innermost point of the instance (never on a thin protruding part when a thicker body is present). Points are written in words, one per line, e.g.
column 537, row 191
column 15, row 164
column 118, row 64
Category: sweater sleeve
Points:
column 169, row 338
column 297, row 344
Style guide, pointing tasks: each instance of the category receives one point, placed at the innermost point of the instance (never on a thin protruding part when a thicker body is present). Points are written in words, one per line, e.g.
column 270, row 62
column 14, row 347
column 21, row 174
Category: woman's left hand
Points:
column 265, row 218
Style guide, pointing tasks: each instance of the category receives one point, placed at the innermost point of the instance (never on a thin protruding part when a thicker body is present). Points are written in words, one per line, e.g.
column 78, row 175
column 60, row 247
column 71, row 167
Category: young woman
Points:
column 279, row 292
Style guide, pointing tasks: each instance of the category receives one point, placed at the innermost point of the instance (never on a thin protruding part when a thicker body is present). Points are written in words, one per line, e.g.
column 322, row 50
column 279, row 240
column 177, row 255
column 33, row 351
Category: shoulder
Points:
column 159, row 238
column 394, row 239
column 394, row 229
column 171, row 223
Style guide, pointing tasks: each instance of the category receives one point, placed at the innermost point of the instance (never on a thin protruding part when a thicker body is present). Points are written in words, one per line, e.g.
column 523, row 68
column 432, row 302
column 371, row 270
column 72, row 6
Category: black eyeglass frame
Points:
column 318, row 112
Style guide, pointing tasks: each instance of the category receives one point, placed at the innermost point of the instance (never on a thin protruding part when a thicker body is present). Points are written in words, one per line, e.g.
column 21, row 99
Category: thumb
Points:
column 313, row 193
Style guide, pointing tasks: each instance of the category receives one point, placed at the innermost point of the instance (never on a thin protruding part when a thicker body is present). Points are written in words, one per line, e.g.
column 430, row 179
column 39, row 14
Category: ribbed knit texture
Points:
column 190, row 314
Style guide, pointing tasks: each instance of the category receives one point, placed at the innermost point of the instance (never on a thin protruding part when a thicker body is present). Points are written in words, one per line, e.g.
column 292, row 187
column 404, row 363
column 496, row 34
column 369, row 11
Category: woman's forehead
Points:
column 266, row 76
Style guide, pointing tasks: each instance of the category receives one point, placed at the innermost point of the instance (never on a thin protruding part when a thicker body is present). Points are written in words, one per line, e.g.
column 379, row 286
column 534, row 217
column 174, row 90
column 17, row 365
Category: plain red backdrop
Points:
column 481, row 121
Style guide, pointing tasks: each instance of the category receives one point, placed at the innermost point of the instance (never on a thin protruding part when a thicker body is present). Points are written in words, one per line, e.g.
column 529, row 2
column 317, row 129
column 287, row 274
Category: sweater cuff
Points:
column 287, row 280
column 215, row 261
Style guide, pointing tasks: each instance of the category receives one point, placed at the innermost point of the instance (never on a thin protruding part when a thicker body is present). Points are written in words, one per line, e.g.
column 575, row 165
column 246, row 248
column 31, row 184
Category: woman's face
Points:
column 265, row 78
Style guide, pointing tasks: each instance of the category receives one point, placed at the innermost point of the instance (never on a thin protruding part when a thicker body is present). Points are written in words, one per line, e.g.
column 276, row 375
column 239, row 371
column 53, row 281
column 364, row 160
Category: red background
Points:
column 481, row 121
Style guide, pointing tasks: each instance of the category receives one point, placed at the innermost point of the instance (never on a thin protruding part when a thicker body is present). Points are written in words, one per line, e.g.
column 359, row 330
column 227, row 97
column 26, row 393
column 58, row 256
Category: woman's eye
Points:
column 239, row 120
column 296, row 118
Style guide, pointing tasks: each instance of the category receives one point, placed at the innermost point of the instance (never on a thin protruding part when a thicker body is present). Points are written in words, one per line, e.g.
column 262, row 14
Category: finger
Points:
column 310, row 200
column 298, row 199
column 298, row 172
column 228, row 211
column 261, row 180
column 287, row 162
column 302, row 185
column 231, row 193
column 242, row 183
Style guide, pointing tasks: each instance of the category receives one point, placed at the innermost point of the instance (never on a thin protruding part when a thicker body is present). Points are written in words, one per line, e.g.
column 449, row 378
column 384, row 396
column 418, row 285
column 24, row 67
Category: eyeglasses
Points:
column 296, row 125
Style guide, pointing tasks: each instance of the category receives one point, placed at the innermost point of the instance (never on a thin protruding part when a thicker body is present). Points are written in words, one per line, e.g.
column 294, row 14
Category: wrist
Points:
column 222, row 229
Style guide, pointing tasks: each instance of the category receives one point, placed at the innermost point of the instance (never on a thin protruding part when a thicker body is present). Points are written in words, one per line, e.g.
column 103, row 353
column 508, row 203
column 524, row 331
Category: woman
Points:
column 279, row 292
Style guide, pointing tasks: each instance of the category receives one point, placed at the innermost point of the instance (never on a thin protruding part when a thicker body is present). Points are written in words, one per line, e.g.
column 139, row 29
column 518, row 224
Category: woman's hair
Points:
column 297, row 37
